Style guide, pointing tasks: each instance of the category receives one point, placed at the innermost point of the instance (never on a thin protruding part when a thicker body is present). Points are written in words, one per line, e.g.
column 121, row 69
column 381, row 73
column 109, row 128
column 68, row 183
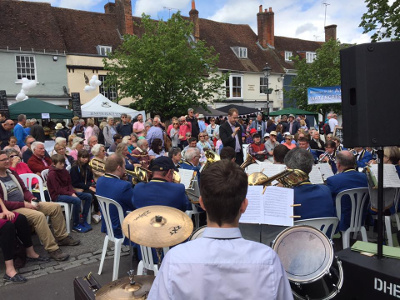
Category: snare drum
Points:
column 307, row 256
column 198, row 233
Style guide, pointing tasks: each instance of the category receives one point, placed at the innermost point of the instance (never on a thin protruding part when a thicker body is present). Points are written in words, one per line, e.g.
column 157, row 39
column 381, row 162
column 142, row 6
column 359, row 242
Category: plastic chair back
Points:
column 27, row 178
column 322, row 224
column 44, row 174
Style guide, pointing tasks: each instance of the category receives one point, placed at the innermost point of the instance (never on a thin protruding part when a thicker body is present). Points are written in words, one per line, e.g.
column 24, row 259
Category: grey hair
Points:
column 35, row 144
column 75, row 142
column 60, row 139
column 148, row 124
column 301, row 159
column 110, row 118
column 190, row 153
column 141, row 142
column 125, row 139
column 21, row 117
column 9, row 151
column 173, row 151
column 96, row 149
column 190, row 109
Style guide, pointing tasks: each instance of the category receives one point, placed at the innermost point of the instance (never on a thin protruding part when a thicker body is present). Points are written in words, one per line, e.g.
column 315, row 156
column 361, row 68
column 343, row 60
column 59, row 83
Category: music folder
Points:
column 274, row 207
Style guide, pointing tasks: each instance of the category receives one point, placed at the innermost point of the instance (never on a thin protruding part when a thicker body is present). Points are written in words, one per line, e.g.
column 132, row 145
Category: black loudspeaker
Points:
column 370, row 94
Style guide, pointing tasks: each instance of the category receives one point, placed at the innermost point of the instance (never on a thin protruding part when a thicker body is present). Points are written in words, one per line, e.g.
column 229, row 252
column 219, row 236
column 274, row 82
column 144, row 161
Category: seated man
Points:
column 176, row 155
column 304, row 144
column 161, row 190
column 192, row 161
column 18, row 199
column 141, row 154
column 362, row 157
column 221, row 263
column 61, row 190
column 346, row 178
column 330, row 155
column 280, row 152
column 257, row 149
column 112, row 186
column 39, row 161
column 315, row 199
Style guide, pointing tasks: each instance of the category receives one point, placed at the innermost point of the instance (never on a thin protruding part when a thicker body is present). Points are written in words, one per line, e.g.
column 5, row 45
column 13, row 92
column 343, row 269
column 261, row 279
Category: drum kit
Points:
column 151, row 226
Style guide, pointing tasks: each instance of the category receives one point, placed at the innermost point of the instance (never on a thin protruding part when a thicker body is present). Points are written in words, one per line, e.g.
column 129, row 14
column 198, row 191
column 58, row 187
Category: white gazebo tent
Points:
column 100, row 107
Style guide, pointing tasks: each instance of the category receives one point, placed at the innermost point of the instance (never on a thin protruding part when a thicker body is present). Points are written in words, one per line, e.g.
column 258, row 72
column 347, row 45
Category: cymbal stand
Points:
column 159, row 252
column 131, row 272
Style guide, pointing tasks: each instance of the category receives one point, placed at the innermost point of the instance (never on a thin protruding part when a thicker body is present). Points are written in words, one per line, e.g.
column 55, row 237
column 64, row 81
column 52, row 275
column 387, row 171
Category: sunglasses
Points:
column 81, row 143
column 11, row 156
column 176, row 124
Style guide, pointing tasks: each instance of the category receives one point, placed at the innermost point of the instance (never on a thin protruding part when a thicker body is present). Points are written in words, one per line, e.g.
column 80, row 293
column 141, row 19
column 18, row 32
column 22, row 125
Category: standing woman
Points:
column 213, row 131
column 174, row 132
column 89, row 130
column 109, row 131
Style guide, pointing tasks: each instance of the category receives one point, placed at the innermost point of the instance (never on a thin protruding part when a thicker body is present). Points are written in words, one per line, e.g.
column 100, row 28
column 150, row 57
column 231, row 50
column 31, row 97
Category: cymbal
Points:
column 157, row 226
column 122, row 289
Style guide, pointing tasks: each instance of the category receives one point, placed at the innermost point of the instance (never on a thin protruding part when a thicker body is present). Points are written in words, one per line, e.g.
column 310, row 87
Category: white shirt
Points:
column 333, row 123
column 221, row 265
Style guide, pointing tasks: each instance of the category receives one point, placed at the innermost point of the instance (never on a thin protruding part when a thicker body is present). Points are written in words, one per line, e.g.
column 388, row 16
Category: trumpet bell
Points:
column 257, row 178
column 176, row 178
column 249, row 160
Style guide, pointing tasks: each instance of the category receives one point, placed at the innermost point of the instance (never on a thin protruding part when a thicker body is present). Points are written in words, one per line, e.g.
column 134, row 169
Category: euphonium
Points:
column 139, row 174
column 97, row 165
column 249, row 160
column 212, row 157
column 288, row 178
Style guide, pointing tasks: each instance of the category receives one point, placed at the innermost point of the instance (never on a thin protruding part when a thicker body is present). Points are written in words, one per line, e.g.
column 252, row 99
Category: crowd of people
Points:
column 108, row 159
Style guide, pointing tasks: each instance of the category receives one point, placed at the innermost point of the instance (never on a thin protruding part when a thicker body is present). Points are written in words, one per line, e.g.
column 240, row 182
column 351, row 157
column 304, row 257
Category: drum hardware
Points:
column 198, row 233
column 248, row 161
column 288, row 178
column 308, row 259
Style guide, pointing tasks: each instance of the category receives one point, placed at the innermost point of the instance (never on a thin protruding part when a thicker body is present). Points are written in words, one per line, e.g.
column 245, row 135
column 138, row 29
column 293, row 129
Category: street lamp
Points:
column 267, row 71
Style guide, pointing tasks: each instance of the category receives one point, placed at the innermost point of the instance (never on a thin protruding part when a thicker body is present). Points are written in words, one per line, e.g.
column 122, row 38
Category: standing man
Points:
column 192, row 120
column 259, row 125
column 19, row 131
column 231, row 134
column 293, row 125
column 333, row 122
column 3, row 117
column 124, row 128
column 138, row 126
column 5, row 132
column 229, row 257
column 154, row 132
column 37, row 131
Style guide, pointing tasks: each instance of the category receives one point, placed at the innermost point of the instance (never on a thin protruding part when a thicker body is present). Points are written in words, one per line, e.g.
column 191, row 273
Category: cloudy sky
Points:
column 302, row 19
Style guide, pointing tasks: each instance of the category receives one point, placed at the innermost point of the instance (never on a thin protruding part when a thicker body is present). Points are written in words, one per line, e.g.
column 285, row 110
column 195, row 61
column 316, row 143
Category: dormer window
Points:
column 310, row 57
column 240, row 52
column 103, row 50
column 288, row 55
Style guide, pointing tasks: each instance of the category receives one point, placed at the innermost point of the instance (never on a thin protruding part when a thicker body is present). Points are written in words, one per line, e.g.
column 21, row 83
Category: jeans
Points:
column 76, row 205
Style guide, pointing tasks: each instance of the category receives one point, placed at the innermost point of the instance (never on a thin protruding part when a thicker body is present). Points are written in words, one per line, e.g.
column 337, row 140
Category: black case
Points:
column 86, row 287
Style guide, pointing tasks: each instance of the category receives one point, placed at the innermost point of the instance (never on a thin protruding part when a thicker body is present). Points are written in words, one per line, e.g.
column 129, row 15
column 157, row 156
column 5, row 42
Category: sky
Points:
column 303, row 19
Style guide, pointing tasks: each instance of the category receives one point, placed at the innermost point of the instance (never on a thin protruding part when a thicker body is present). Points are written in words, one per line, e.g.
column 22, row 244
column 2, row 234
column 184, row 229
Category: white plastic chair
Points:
column 196, row 213
column 105, row 206
column 27, row 178
column 322, row 224
column 358, row 196
column 147, row 261
column 65, row 206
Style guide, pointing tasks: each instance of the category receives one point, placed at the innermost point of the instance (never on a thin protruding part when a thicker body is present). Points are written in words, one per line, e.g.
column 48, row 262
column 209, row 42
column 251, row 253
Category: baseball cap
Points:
column 162, row 163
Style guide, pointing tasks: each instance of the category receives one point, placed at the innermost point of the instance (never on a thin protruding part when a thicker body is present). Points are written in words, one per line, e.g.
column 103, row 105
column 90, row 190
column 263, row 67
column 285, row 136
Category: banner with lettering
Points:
column 324, row 95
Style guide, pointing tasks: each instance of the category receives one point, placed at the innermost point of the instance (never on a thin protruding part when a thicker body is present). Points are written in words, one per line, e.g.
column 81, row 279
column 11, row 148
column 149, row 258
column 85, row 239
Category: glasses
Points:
column 202, row 136
column 288, row 139
column 175, row 123
column 11, row 156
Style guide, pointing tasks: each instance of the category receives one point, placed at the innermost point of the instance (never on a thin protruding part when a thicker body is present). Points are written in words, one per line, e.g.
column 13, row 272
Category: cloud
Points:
column 308, row 27
column 161, row 6
column 80, row 4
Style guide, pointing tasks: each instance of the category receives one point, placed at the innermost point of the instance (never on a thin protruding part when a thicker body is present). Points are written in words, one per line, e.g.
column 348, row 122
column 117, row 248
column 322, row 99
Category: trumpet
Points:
column 139, row 174
column 249, row 160
column 212, row 157
column 288, row 178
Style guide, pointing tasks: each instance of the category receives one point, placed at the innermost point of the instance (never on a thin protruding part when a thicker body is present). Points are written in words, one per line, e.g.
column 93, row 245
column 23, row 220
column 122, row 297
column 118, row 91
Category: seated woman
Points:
column 13, row 224
column 77, row 144
column 128, row 141
column 288, row 142
column 12, row 144
column 82, row 180
column 60, row 149
column 122, row 149
column 70, row 142
column 156, row 149
column 202, row 144
column 257, row 149
column 98, row 161
column 59, row 141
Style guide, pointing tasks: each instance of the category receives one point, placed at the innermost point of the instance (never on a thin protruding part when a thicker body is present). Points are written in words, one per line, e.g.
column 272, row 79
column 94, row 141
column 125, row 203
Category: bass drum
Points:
column 198, row 233
column 307, row 257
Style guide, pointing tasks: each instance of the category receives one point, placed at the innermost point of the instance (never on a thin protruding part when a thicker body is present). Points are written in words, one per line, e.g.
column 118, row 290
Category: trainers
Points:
column 87, row 226
column 59, row 255
column 96, row 218
column 80, row 228
column 69, row 241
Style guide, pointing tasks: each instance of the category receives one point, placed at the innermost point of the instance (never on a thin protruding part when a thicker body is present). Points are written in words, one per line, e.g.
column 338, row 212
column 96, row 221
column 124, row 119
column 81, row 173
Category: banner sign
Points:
column 324, row 95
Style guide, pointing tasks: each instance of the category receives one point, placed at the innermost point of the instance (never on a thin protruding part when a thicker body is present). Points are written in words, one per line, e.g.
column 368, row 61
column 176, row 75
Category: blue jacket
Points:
column 363, row 159
column 120, row 191
column 349, row 179
column 20, row 134
column 157, row 192
column 315, row 199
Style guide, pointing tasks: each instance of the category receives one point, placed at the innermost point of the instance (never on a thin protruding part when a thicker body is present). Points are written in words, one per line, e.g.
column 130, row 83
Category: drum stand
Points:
column 159, row 252
column 380, row 203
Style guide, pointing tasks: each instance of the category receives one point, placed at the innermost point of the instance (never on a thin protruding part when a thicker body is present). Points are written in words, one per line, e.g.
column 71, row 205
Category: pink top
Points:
column 291, row 146
column 23, row 168
column 88, row 133
column 138, row 126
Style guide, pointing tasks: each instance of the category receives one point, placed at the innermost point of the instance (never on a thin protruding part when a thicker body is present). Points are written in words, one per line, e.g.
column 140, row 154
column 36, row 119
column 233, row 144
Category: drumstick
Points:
column 295, row 217
column 294, row 205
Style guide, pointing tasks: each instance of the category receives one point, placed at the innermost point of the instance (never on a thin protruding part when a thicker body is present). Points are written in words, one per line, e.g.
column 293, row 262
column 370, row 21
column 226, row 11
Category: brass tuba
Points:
column 249, row 160
column 212, row 157
column 288, row 178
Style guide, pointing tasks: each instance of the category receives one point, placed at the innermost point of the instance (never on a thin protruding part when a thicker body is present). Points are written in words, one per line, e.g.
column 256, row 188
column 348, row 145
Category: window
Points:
column 234, row 86
column 263, row 85
column 310, row 57
column 107, row 91
column 25, row 67
column 288, row 55
column 240, row 52
column 103, row 50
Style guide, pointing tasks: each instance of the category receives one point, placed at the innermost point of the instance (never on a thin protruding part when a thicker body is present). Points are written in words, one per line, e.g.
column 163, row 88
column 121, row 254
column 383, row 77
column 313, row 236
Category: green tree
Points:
column 383, row 19
column 324, row 71
column 165, row 69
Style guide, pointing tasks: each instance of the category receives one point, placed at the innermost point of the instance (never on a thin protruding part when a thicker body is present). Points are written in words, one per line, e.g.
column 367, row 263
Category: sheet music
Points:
column 273, row 169
column 273, row 207
column 326, row 170
column 315, row 175
column 186, row 177
column 390, row 177
column 253, row 168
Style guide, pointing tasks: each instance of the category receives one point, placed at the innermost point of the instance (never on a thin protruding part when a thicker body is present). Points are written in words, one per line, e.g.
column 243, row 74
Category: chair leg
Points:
column 346, row 239
column 68, row 215
column 388, row 226
column 140, row 268
column 155, row 269
column 396, row 215
column 117, row 254
column 103, row 254
column 197, row 220
column 364, row 234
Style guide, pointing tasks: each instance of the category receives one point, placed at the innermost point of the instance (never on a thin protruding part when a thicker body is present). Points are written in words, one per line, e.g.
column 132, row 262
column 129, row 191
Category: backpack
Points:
column 326, row 128
column 100, row 137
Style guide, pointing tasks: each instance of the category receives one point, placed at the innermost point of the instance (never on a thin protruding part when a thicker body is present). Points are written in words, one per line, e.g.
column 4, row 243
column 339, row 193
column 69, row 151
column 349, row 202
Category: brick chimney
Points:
column 123, row 11
column 330, row 32
column 109, row 8
column 194, row 17
column 265, row 24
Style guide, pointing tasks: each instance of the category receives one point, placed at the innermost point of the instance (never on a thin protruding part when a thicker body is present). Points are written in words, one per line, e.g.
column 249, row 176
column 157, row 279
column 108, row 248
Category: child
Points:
column 82, row 180
column 61, row 190
column 12, row 144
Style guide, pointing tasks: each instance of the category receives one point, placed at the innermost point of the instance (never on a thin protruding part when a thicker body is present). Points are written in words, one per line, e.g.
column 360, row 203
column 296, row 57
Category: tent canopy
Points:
column 211, row 113
column 243, row 110
column 101, row 106
column 292, row 110
column 34, row 108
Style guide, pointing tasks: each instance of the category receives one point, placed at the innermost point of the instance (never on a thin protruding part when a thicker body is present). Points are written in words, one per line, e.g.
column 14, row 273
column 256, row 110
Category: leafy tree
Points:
column 324, row 71
column 383, row 19
column 164, row 68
